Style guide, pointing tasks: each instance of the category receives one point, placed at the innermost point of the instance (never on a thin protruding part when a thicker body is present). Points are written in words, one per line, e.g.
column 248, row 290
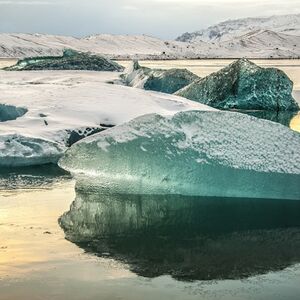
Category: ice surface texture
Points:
column 71, row 60
column 16, row 150
column 191, row 153
column 244, row 85
column 166, row 81
column 11, row 112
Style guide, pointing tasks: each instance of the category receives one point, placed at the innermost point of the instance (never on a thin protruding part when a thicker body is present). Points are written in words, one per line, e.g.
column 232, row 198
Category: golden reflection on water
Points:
column 295, row 123
column 28, row 226
column 31, row 240
column 6, row 62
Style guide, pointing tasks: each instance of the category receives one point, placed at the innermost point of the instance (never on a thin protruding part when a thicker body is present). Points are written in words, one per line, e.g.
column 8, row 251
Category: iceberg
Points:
column 11, row 112
column 181, row 236
column 205, row 153
column 60, row 108
column 166, row 81
column 18, row 150
column 244, row 85
column 70, row 60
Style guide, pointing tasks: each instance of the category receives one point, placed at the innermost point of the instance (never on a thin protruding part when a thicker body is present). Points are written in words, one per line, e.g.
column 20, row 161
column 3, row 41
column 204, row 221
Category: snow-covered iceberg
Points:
column 166, row 81
column 244, row 85
column 213, row 153
column 181, row 236
column 45, row 112
column 70, row 60
column 17, row 150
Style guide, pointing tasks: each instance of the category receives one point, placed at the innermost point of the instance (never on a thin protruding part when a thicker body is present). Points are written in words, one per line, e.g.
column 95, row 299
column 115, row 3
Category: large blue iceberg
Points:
column 201, row 153
column 244, row 85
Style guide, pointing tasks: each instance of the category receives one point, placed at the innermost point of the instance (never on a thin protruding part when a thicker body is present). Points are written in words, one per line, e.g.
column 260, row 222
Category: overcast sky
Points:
column 162, row 18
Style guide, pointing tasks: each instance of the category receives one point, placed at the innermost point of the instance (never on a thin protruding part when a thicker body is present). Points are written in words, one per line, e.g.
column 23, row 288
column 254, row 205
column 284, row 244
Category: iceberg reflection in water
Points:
column 189, row 238
column 31, row 177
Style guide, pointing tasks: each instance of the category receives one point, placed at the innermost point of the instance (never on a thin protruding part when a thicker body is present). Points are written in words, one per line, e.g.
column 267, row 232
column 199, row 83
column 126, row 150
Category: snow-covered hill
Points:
column 115, row 46
column 273, row 37
column 225, row 31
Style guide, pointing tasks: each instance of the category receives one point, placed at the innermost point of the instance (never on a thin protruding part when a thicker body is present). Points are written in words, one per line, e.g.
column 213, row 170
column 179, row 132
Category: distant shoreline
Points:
column 209, row 58
column 175, row 59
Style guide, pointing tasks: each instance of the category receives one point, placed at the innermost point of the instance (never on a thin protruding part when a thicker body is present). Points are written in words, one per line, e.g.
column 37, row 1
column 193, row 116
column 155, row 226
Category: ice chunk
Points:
column 244, row 85
column 17, row 150
column 214, row 153
column 181, row 236
column 11, row 112
column 64, row 107
column 71, row 60
column 166, row 81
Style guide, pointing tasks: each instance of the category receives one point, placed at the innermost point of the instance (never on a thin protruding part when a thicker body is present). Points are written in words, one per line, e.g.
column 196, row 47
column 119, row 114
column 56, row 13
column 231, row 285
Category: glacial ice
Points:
column 11, row 112
column 213, row 153
column 166, row 81
column 17, row 150
column 70, row 60
column 181, row 236
column 244, row 85
column 64, row 107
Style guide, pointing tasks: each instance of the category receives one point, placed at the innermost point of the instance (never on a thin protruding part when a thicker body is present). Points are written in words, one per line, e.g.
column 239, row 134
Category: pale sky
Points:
column 161, row 18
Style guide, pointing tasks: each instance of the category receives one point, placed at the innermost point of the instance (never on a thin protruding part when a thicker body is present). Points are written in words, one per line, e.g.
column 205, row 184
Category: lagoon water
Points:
column 141, row 247
column 145, row 247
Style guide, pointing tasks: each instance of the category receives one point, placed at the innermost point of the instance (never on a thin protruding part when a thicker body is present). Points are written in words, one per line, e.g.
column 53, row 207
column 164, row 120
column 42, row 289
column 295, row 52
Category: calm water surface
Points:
column 141, row 247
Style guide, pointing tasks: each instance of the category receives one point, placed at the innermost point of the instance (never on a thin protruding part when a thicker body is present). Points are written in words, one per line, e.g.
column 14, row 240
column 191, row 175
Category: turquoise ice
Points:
column 166, row 81
column 191, row 153
column 11, row 112
column 244, row 85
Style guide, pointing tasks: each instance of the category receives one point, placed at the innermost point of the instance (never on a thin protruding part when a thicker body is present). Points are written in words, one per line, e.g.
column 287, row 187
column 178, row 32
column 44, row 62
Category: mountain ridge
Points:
column 272, row 37
column 227, row 29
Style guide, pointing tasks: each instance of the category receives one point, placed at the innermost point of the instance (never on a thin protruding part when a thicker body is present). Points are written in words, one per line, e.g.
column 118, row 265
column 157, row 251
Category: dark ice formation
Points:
column 70, row 60
column 166, row 81
column 11, row 112
column 244, row 85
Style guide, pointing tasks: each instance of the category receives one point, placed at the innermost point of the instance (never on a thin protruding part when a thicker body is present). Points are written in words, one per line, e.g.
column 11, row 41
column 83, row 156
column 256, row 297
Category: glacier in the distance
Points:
column 212, row 153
